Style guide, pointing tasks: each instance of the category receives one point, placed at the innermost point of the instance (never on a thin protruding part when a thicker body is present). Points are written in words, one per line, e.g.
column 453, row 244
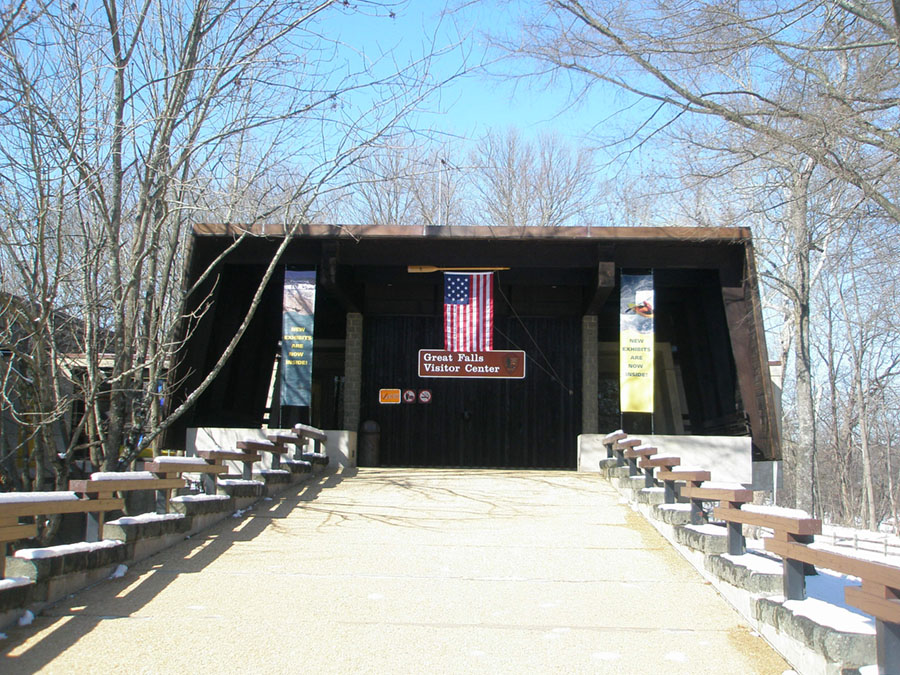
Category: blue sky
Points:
column 482, row 100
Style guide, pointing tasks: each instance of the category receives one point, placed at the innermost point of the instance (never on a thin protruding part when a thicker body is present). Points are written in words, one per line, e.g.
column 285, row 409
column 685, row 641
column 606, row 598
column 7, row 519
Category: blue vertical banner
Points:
column 297, row 337
column 636, row 338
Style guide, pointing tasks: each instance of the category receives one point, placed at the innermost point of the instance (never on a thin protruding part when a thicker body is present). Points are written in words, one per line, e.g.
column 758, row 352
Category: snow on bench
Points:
column 64, row 549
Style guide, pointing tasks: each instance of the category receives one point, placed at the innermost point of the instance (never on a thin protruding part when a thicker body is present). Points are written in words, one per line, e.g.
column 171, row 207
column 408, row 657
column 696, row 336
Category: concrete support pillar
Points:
column 589, row 375
column 353, row 350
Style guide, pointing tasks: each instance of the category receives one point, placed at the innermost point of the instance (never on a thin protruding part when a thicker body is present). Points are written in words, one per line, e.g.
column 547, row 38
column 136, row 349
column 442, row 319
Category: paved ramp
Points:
column 407, row 571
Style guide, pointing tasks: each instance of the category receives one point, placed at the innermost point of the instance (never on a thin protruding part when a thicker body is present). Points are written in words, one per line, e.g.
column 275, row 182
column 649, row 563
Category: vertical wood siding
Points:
column 530, row 423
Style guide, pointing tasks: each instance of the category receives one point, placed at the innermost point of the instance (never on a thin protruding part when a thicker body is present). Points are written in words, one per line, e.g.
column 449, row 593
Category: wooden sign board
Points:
column 500, row 364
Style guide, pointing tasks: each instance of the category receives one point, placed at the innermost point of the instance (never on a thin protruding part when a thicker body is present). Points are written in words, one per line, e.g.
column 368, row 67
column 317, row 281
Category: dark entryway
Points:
column 530, row 423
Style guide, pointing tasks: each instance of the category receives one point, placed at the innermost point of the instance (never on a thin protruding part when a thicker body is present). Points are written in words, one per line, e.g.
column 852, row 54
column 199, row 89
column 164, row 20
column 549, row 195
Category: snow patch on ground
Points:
column 239, row 481
column 27, row 618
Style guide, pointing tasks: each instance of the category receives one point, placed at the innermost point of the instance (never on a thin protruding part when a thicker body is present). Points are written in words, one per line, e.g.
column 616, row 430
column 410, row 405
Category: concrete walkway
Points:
column 407, row 571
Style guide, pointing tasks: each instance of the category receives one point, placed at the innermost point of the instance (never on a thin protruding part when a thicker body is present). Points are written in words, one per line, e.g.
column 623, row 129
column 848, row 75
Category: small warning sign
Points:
column 388, row 396
column 409, row 396
column 425, row 396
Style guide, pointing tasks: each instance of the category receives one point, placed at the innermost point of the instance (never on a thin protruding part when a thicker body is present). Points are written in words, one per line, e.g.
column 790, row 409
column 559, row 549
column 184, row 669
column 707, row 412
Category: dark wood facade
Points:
column 708, row 321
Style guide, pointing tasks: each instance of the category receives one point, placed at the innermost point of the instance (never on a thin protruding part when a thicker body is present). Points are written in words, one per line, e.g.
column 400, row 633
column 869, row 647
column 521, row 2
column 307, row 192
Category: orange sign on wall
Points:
column 388, row 396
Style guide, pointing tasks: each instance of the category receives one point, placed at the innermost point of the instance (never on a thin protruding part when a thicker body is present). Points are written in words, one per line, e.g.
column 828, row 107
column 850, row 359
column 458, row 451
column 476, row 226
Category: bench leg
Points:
column 94, row 530
column 208, row 481
column 887, row 646
column 736, row 542
column 632, row 466
column 248, row 471
column 669, row 491
column 620, row 457
column 276, row 461
column 648, row 478
column 697, row 512
column 609, row 451
column 794, row 580
column 162, row 501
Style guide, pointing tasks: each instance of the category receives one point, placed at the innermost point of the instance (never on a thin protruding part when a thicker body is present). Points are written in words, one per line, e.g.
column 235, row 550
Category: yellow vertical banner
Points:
column 636, row 343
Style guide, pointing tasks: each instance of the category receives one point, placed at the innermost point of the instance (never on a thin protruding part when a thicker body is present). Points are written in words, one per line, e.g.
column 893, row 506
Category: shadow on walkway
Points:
column 30, row 648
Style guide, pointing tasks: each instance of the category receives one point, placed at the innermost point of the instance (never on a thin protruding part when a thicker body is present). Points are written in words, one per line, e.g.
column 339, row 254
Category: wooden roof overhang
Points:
column 350, row 255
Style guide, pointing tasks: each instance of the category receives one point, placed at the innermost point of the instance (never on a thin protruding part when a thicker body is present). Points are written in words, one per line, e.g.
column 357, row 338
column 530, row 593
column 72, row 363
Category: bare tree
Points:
column 522, row 183
column 123, row 122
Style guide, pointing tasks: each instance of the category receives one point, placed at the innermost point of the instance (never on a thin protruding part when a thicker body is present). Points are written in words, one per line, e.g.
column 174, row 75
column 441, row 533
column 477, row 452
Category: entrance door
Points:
column 530, row 423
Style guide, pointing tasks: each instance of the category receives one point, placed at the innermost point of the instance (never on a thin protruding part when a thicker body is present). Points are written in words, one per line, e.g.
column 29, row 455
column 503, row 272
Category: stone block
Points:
column 743, row 577
column 129, row 529
column 673, row 514
column 847, row 650
column 15, row 594
column 702, row 539
column 67, row 569
column 200, row 505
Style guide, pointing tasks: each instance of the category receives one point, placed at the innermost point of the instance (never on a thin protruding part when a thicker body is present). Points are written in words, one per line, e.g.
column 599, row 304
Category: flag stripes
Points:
column 468, row 311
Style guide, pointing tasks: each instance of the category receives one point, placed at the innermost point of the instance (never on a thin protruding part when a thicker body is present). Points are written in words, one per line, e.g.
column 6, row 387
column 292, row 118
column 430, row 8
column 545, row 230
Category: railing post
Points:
column 696, row 511
column 795, row 572
column 887, row 646
column 632, row 466
column 609, row 450
column 648, row 478
column 669, row 491
column 736, row 543
column 794, row 579
column 94, row 526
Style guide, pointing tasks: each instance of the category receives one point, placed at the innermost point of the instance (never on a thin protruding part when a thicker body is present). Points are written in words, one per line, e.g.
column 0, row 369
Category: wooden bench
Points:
column 319, row 438
column 300, row 437
column 878, row 594
column 104, row 485
column 633, row 455
column 16, row 505
column 217, row 457
column 678, row 474
column 650, row 464
column 610, row 441
column 728, row 498
column 620, row 446
column 176, row 467
column 786, row 528
column 253, row 448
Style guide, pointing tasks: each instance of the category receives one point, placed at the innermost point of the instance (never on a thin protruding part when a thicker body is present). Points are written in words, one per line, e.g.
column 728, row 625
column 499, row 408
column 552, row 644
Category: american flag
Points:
column 468, row 312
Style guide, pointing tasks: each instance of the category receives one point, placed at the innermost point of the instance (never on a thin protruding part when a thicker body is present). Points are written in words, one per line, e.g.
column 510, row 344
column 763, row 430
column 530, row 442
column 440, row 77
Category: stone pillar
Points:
column 589, row 375
column 353, row 349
